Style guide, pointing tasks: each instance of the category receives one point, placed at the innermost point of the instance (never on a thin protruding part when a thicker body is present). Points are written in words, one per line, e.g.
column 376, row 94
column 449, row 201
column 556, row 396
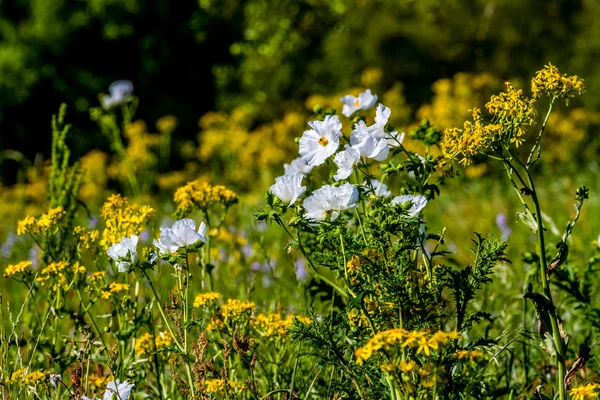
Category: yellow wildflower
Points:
column 206, row 298
column 122, row 219
column 217, row 386
column 474, row 138
column 22, row 377
column 166, row 124
column 144, row 345
column 551, row 82
column 200, row 195
column 17, row 268
column 273, row 326
column 87, row 239
column 589, row 391
column 46, row 222
column 407, row 366
column 404, row 338
column 97, row 381
column 234, row 311
column 471, row 355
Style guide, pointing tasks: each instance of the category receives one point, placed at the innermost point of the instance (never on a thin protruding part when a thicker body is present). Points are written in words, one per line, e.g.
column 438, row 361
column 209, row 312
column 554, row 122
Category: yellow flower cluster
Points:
column 552, row 83
column 589, row 391
column 273, row 326
column 139, row 155
column 97, row 276
column 234, row 311
column 474, row 138
column 512, row 109
column 48, row 222
column 471, row 355
column 122, row 219
column 22, row 377
column 98, row 381
column 144, row 345
column 231, row 138
column 200, row 195
column 206, row 298
column 114, row 287
column 94, row 184
column 166, row 124
column 217, row 386
column 229, row 238
column 421, row 340
column 87, row 239
column 57, row 271
column 453, row 97
column 16, row 268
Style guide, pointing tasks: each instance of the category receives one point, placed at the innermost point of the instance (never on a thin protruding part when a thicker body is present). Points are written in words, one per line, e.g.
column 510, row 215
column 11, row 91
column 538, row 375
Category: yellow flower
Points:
column 22, row 377
column 273, row 326
column 474, row 138
column 234, row 311
column 166, row 124
column 551, row 82
column 144, row 345
column 217, row 386
column 48, row 222
column 206, row 298
column 17, row 268
column 589, row 391
column 87, row 239
column 122, row 219
column 200, row 195
column 407, row 366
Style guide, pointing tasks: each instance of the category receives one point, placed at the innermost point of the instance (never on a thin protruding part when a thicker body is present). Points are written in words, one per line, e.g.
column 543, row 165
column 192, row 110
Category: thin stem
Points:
column 162, row 313
column 530, row 160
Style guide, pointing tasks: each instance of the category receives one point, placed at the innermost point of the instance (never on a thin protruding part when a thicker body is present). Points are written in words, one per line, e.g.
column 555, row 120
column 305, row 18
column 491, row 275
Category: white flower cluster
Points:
column 181, row 235
column 323, row 141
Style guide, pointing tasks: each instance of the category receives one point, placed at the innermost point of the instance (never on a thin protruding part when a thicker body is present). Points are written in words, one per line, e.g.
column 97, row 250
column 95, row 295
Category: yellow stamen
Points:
column 323, row 141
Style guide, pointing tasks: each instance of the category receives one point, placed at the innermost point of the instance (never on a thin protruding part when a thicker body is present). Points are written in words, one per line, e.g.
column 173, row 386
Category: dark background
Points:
column 187, row 57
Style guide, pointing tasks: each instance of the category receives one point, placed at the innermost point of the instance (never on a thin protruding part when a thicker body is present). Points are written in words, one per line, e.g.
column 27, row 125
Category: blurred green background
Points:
column 188, row 57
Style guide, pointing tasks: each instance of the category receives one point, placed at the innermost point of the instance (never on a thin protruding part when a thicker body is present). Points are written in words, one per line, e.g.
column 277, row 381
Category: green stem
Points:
column 186, row 319
column 162, row 313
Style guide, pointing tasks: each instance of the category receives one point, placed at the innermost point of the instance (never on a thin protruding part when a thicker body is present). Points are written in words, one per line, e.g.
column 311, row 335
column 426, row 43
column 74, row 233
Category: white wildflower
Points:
column 297, row 166
column 182, row 234
column 368, row 145
column 119, row 93
column 346, row 160
column 319, row 143
column 330, row 199
column 364, row 101
column 417, row 203
column 380, row 189
column 288, row 188
column 124, row 253
column 118, row 390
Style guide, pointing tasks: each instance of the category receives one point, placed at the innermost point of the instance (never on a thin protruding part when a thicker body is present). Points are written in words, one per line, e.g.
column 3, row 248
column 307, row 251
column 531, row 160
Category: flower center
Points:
column 356, row 104
column 323, row 141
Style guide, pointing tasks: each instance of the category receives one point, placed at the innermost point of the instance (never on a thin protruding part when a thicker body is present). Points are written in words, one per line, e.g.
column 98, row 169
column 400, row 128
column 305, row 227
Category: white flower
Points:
column 346, row 160
column 297, row 166
column 181, row 234
column 330, row 198
column 362, row 132
column 417, row 203
column 321, row 141
column 124, row 253
column 364, row 101
column 380, row 189
column 120, row 390
column 368, row 145
column 119, row 93
column 287, row 188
